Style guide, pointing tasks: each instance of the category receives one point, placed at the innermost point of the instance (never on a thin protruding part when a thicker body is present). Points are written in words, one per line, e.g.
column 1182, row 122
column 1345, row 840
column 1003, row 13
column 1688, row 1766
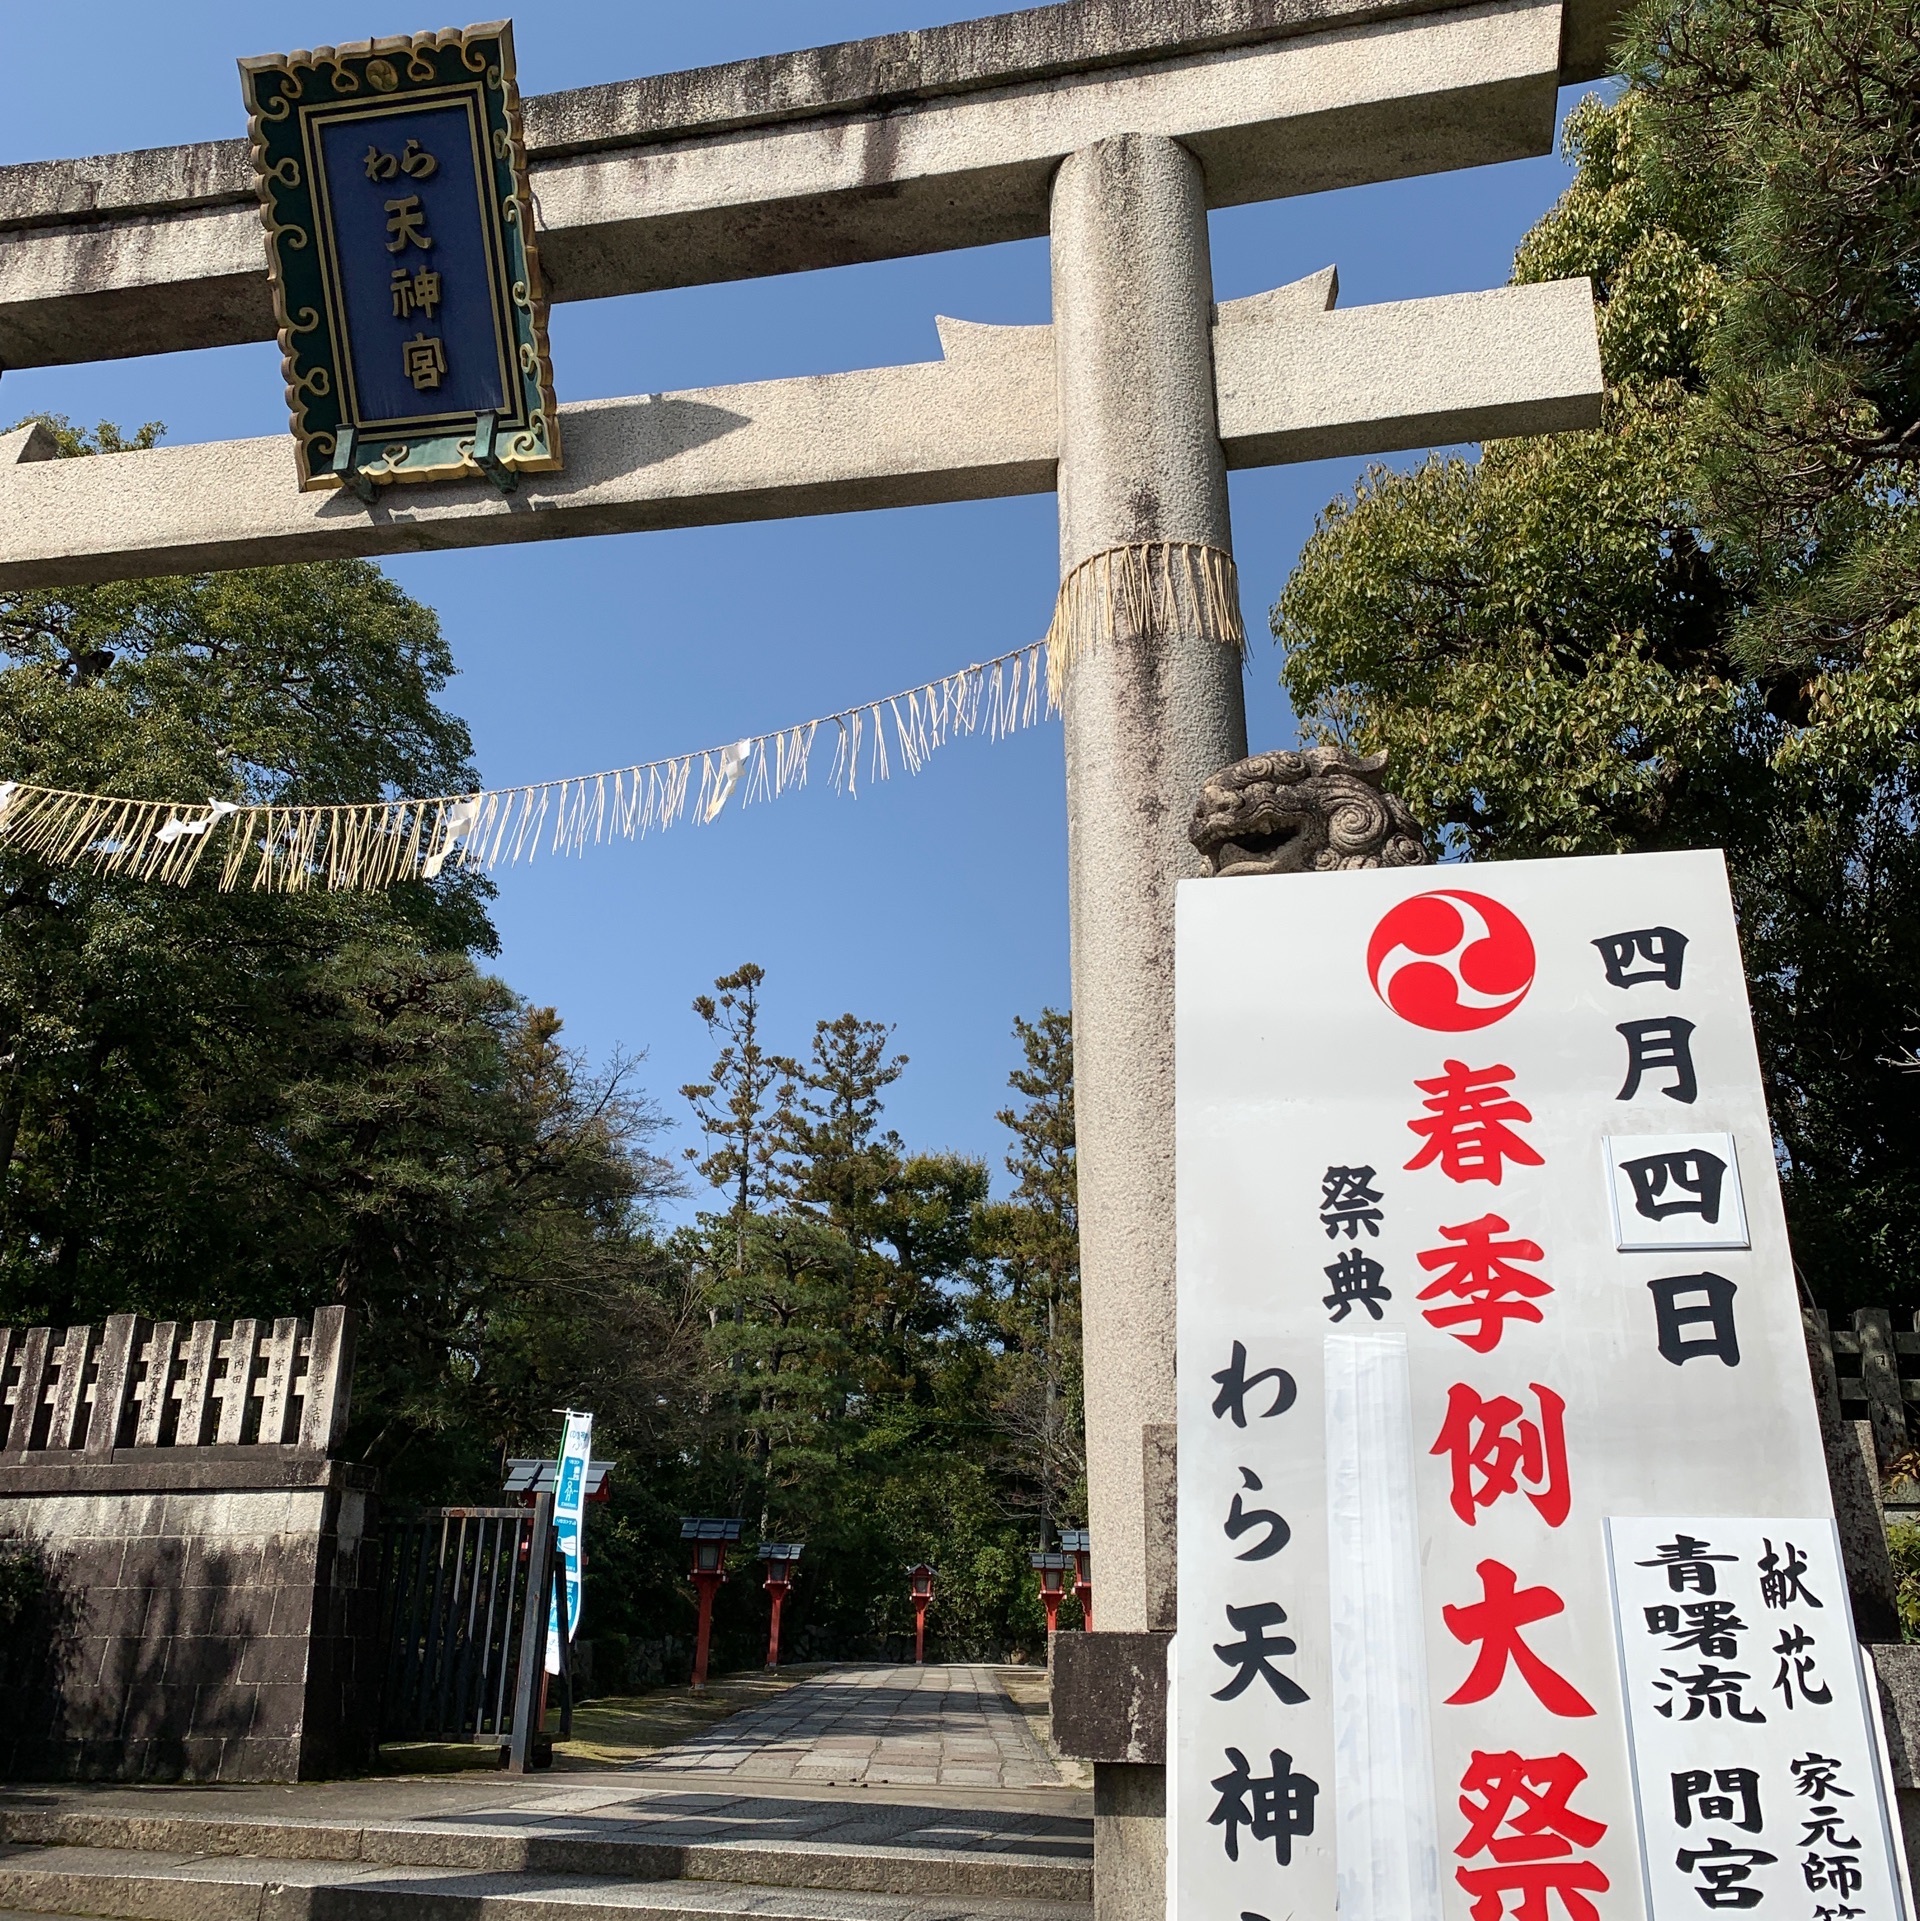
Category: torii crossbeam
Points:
column 1111, row 125
column 1295, row 380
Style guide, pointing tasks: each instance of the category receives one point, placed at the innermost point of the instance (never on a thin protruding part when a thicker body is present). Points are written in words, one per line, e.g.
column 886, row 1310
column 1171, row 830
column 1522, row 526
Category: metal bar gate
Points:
column 464, row 1596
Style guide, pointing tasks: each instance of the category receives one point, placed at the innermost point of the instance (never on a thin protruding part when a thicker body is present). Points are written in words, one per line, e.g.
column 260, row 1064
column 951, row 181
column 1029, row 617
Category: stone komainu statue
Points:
column 1304, row 813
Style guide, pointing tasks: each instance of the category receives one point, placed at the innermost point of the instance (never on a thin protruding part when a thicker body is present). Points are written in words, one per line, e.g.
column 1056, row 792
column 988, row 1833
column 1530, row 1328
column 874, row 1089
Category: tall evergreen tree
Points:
column 1700, row 625
column 907, row 1218
column 1030, row 1302
column 837, row 1157
column 742, row 1106
column 784, row 1331
column 835, row 1286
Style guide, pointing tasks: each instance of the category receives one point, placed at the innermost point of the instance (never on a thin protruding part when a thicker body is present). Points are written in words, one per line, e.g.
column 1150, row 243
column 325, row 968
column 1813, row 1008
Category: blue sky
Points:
column 935, row 903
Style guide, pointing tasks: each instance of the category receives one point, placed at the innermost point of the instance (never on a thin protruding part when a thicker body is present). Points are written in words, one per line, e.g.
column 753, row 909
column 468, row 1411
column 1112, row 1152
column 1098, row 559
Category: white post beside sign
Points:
column 569, row 1513
column 1482, row 1263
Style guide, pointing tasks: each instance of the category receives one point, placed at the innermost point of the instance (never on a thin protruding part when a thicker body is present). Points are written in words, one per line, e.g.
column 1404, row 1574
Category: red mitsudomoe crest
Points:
column 1451, row 960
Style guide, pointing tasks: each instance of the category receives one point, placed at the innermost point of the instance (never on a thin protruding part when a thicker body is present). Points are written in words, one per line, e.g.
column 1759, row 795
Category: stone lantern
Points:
column 710, row 1538
column 1054, row 1571
column 782, row 1562
column 920, row 1587
column 1078, row 1543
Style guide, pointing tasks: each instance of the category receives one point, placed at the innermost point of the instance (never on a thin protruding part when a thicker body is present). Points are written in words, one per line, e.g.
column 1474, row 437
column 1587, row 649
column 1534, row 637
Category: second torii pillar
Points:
column 1149, row 635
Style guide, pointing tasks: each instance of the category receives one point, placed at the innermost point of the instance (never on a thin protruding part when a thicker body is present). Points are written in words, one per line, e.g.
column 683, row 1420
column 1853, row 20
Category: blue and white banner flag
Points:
column 569, row 1513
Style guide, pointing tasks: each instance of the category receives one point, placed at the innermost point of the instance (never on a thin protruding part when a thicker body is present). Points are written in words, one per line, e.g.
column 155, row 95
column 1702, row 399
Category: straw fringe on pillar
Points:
column 372, row 845
column 1148, row 587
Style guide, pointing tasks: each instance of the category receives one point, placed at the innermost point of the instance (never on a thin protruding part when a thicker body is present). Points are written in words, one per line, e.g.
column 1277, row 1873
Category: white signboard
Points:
column 1481, row 1254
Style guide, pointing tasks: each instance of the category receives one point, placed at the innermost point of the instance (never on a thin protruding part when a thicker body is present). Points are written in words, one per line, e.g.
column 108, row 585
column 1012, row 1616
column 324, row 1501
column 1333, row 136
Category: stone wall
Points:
column 194, row 1577
column 201, row 1635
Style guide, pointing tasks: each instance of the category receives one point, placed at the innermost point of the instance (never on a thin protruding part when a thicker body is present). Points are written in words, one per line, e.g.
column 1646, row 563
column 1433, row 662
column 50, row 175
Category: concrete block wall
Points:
column 199, row 1576
column 204, row 1635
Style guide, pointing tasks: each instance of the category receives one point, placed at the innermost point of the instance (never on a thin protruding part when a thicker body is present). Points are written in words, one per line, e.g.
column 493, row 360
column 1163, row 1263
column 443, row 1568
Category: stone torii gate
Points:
column 1113, row 126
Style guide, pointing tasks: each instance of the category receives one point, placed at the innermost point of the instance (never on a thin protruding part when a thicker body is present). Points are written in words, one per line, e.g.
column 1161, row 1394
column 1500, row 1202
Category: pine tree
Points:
column 1032, row 1302
column 781, row 1330
column 907, row 1218
column 835, row 1156
column 743, row 1106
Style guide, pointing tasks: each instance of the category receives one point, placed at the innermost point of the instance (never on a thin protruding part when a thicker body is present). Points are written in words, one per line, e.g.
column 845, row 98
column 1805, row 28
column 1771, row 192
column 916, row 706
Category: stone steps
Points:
column 131, row 1884
column 1000, row 1873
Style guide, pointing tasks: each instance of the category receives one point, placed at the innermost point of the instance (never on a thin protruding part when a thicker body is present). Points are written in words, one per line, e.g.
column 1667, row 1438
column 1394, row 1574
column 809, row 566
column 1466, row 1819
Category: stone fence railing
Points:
column 132, row 1384
column 1877, row 1371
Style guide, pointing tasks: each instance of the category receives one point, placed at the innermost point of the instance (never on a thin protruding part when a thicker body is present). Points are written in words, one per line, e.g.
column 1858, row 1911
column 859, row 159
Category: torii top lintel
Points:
column 872, row 149
column 1327, row 92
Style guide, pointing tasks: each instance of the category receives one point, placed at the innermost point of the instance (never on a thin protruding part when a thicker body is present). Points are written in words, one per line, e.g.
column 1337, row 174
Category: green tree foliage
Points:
column 1696, row 626
column 1028, row 1299
column 1805, row 113
column 784, row 1332
column 1903, row 1544
column 215, row 1104
column 873, row 1338
column 838, row 1158
column 739, row 1106
column 907, row 1217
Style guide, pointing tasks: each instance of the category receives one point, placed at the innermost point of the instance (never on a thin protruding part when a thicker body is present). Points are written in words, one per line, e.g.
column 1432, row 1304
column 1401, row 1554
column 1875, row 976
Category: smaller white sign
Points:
column 1674, row 1191
column 569, row 1513
column 1756, row 1777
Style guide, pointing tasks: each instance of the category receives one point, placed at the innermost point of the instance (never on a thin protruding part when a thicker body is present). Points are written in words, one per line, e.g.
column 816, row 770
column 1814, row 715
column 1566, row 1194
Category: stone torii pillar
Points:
column 1153, row 704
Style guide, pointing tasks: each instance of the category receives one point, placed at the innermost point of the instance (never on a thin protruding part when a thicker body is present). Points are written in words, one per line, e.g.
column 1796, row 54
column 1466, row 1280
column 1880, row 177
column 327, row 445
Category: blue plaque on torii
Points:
column 406, row 282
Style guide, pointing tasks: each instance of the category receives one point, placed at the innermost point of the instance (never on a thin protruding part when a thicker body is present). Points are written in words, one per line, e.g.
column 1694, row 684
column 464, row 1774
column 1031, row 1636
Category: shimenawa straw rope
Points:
column 1148, row 587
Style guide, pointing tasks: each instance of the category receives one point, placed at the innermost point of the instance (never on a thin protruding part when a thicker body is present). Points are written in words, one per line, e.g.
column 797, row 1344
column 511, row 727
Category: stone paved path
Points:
column 877, row 1727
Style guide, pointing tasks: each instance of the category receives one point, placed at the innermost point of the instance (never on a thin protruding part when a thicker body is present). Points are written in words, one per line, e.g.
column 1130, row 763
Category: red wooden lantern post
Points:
column 1078, row 1543
column 1053, row 1570
column 710, row 1538
column 920, row 1586
column 783, row 1569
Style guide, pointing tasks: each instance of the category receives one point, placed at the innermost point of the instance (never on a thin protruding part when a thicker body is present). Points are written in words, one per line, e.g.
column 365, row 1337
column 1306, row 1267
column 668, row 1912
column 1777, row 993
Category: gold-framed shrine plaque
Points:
column 400, row 248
